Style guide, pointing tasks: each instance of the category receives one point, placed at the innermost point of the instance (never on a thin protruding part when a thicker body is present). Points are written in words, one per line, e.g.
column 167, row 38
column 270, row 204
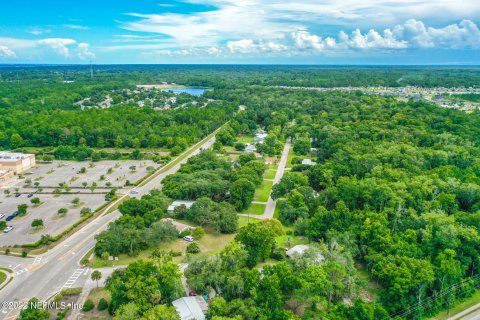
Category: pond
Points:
column 192, row 91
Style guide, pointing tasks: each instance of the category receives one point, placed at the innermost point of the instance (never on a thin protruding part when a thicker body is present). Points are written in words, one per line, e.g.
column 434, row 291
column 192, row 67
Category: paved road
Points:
column 271, row 204
column 472, row 313
column 59, row 268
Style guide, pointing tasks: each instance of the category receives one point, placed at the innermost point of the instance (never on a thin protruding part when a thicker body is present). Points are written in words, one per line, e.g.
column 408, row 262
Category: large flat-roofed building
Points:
column 5, row 175
column 16, row 162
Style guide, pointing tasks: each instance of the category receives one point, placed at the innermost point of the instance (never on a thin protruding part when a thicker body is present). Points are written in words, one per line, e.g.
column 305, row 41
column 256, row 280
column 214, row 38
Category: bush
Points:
column 102, row 304
column 88, row 305
column 198, row 233
column 193, row 248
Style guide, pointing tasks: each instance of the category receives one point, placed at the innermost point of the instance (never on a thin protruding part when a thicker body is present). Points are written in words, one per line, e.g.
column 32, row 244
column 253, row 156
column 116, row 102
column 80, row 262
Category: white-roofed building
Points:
column 191, row 308
column 308, row 162
column 17, row 162
column 300, row 249
column 178, row 203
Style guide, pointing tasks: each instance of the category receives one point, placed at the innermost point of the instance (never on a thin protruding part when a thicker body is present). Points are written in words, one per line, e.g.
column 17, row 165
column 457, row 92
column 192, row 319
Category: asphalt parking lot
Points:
column 50, row 175
column 54, row 224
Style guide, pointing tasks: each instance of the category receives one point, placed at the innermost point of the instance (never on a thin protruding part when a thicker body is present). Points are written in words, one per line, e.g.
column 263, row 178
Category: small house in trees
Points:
column 300, row 250
column 177, row 203
column 250, row 148
column 260, row 136
column 308, row 162
column 190, row 308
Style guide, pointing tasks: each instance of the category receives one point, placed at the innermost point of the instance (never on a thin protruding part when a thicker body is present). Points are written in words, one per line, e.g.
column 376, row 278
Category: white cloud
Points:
column 75, row 27
column 466, row 34
column 84, row 53
column 304, row 40
column 59, row 45
column 372, row 40
column 36, row 31
column 6, row 52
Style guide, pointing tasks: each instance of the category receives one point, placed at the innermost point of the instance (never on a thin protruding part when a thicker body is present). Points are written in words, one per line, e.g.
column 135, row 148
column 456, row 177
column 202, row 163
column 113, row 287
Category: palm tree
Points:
column 96, row 275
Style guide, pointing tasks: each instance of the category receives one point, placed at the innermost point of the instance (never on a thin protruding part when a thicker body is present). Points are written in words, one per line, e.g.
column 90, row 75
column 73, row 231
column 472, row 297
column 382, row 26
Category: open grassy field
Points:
column 245, row 139
column 269, row 173
column 255, row 208
column 263, row 191
column 209, row 243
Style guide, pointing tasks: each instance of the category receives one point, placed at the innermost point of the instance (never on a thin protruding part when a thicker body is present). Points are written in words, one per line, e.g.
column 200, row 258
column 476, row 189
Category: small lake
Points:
column 192, row 91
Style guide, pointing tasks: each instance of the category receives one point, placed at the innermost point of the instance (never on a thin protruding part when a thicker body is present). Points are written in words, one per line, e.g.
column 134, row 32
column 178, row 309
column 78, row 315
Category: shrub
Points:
column 198, row 233
column 102, row 304
column 88, row 305
column 193, row 248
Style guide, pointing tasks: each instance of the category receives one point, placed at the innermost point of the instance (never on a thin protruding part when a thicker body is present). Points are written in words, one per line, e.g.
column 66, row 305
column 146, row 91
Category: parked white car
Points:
column 188, row 238
column 8, row 229
column 2, row 215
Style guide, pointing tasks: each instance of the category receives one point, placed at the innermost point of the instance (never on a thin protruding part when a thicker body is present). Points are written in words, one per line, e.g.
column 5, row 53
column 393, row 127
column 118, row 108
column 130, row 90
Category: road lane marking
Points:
column 73, row 278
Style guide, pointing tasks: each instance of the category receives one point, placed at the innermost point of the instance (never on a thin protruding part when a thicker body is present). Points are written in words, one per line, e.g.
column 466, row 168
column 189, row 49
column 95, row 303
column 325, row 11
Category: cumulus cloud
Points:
column 6, row 52
column 372, row 40
column 59, row 45
column 25, row 48
column 304, row 40
column 84, row 53
column 250, row 46
column 466, row 34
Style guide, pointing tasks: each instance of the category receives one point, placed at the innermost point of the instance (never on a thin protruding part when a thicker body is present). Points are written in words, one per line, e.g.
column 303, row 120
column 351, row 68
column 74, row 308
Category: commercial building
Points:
column 5, row 175
column 16, row 162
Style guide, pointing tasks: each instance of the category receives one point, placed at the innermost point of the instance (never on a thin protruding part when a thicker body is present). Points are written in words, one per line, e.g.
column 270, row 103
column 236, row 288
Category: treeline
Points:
column 120, row 127
column 232, row 76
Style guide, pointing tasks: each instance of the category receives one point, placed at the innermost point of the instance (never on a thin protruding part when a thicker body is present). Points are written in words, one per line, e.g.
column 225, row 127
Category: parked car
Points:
column 133, row 191
column 188, row 238
column 17, row 195
column 13, row 215
column 107, row 199
column 8, row 229
column 30, row 195
column 2, row 215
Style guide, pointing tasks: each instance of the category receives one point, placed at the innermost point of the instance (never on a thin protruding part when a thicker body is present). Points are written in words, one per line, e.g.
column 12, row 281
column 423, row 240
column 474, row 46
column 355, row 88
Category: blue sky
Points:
column 241, row 31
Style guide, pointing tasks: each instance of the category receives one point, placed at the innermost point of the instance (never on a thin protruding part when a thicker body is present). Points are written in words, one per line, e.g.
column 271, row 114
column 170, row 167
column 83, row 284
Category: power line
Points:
column 429, row 300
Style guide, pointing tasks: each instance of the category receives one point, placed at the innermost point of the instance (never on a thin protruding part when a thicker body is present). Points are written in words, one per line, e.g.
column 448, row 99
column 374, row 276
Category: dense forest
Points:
column 396, row 184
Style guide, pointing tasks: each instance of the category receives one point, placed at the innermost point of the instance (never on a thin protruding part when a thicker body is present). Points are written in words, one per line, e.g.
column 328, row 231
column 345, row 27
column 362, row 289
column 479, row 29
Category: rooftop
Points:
column 189, row 308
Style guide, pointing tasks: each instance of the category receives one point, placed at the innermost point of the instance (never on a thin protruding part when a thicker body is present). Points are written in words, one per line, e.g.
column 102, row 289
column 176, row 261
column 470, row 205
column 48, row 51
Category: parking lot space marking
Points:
column 37, row 260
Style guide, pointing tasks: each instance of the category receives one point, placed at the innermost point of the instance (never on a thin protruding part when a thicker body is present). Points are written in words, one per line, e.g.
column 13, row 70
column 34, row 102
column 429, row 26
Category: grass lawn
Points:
column 459, row 307
column 243, row 221
column 255, row 208
column 288, row 241
column 3, row 277
column 229, row 149
column 245, row 139
column 209, row 243
column 263, row 191
column 269, row 174
column 95, row 295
